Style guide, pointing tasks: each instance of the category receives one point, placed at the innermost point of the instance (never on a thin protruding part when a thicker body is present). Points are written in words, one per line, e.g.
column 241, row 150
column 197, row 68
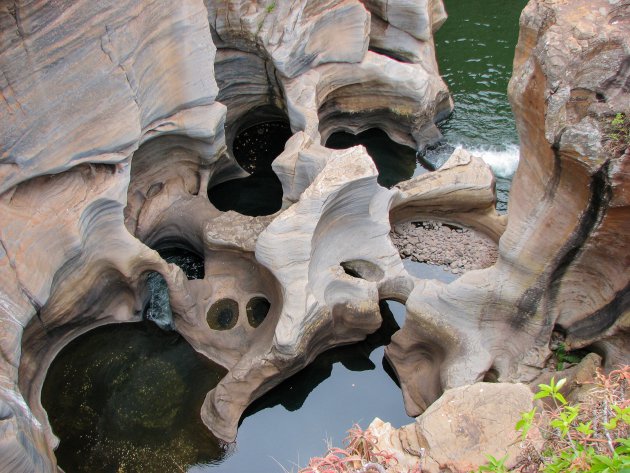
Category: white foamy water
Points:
column 503, row 162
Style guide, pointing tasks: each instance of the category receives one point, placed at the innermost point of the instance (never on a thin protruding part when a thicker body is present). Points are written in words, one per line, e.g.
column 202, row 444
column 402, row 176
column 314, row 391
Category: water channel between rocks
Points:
column 127, row 397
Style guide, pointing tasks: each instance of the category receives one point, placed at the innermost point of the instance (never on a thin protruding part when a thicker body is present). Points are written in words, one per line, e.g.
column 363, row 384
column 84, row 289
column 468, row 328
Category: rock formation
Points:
column 457, row 431
column 563, row 257
column 117, row 117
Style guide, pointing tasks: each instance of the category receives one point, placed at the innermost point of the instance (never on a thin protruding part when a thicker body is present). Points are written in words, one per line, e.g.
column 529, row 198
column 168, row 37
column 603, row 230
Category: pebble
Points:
column 455, row 249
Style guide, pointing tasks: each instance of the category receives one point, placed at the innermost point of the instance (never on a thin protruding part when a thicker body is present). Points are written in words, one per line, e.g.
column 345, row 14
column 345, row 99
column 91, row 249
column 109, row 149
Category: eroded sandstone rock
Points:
column 562, row 258
column 113, row 129
column 459, row 430
column 111, row 135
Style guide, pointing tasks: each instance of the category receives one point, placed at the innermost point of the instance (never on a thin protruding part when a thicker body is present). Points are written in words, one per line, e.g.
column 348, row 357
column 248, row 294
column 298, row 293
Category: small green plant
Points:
column 494, row 465
column 562, row 357
column 618, row 139
column 552, row 390
column 590, row 437
column 271, row 7
column 526, row 422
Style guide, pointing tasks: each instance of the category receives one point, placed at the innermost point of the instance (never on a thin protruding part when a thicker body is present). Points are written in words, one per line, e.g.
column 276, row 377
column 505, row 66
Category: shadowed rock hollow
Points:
column 119, row 118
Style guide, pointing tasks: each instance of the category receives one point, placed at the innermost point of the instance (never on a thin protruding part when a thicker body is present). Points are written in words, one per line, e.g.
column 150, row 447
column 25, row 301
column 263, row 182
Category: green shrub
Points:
column 618, row 138
column 589, row 437
column 562, row 357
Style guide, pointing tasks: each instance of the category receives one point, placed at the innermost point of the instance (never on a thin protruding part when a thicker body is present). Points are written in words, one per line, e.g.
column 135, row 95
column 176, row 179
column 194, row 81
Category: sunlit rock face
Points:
column 118, row 120
column 563, row 257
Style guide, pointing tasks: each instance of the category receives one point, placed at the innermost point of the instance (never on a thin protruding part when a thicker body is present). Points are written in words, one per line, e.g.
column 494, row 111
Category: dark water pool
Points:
column 260, row 193
column 395, row 162
column 126, row 398
column 190, row 262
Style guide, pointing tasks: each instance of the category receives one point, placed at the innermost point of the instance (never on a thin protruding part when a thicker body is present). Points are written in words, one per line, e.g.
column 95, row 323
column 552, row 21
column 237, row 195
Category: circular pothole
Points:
column 254, row 149
column 257, row 310
column 189, row 261
column 395, row 162
column 223, row 314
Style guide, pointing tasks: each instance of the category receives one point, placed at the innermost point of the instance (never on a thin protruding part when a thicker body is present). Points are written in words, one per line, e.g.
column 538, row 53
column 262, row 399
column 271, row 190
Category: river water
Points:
column 475, row 49
column 126, row 398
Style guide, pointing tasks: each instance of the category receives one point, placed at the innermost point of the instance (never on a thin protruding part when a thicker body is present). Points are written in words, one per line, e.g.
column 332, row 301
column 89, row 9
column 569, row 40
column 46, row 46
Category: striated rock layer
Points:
column 563, row 258
column 117, row 117
column 111, row 135
column 457, row 432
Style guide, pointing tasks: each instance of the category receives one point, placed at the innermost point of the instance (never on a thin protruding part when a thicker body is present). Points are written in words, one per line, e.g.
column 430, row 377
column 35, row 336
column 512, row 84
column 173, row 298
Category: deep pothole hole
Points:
column 395, row 162
column 254, row 147
column 190, row 262
column 362, row 269
column 257, row 309
column 223, row 314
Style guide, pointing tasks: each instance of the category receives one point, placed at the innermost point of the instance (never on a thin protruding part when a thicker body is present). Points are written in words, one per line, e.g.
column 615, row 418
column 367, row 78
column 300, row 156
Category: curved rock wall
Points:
column 281, row 54
column 585, row 184
column 83, row 85
column 563, row 258
column 111, row 133
column 113, row 128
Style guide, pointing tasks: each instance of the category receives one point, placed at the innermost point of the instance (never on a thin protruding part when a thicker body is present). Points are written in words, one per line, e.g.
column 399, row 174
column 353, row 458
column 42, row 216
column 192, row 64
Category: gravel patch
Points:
column 457, row 250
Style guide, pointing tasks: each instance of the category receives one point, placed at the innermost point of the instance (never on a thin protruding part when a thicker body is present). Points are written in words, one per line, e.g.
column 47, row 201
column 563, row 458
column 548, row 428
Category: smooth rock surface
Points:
column 459, row 430
column 113, row 129
column 112, row 133
column 563, row 256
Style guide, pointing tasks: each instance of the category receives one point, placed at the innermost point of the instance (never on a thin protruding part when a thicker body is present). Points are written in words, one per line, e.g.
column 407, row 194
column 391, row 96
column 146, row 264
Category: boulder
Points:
column 459, row 429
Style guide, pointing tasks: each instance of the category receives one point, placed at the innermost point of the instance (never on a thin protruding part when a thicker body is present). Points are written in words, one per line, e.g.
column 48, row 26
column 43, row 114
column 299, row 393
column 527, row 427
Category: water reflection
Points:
column 126, row 398
column 291, row 423
column 292, row 393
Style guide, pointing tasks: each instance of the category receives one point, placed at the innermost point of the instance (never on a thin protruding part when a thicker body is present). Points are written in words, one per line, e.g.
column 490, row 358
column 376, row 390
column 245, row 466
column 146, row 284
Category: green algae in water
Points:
column 126, row 398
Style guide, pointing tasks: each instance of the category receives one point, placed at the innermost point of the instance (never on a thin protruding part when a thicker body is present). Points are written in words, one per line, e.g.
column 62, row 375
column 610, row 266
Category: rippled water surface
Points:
column 475, row 49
